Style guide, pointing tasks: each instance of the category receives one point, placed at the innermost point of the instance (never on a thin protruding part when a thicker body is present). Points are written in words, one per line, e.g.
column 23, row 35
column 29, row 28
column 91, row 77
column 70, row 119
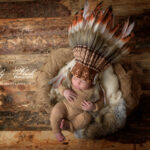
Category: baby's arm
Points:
column 66, row 92
column 99, row 105
column 90, row 106
column 93, row 106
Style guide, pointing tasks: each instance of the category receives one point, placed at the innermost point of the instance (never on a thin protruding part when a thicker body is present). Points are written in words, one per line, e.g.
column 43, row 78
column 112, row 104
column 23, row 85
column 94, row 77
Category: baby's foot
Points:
column 60, row 137
column 64, row 125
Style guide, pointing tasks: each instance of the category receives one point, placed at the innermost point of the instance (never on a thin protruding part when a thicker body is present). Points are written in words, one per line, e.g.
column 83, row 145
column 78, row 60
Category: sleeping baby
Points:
column 96, row 44
column 73, row 113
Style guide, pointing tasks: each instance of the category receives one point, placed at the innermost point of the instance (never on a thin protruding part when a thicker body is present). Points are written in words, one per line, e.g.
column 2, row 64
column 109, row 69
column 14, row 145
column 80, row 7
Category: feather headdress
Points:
column 96, row 43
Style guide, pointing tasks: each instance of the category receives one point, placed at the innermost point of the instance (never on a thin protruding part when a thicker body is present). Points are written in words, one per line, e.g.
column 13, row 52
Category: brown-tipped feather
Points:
column 74, row 22
column 91, row 17
column 80, row 16
column 98, row 42
column 126, row 39
column 97, row 9
column 118, row 33
column 110, row 23
column 106, row 13
column 124, row 29
column 114, row 30
column 99, row 17
column 108, row 18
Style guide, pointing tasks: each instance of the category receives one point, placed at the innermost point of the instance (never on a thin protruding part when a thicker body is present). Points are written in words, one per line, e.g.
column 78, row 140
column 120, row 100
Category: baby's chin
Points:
column 77, row 87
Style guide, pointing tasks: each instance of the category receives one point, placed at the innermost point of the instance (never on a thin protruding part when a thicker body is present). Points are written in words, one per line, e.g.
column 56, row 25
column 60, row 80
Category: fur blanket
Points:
column 119, row 86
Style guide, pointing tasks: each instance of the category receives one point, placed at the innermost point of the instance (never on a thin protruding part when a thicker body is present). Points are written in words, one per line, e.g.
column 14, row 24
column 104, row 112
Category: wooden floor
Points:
column 44, row 140
column 26, row 130
column 25, row 43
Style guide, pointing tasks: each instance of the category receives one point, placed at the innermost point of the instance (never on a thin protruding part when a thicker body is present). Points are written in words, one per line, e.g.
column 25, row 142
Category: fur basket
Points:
column 123, row 94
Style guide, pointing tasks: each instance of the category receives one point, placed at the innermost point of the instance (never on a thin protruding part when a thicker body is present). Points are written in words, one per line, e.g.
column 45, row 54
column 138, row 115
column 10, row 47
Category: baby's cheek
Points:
column 73, row 82
column 76, row 84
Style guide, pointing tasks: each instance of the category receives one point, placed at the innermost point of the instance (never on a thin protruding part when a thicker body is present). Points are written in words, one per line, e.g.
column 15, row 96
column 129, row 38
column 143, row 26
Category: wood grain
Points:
column 33, row 35
column 27, row 41
column 32, row 8
column 45, row 140
column 32, row 63
column 40, row 35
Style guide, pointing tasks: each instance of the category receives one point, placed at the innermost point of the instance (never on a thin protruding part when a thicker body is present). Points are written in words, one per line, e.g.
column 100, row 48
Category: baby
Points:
column 72, row 113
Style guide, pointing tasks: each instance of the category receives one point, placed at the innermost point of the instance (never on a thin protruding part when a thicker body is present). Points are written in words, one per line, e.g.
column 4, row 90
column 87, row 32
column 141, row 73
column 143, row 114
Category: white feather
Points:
column 54, row 79
column 124, row 29
column 120, row 43
column 91, row 22
column 86, row 9
column 62, row 74
column 129, row 29
column 103, row 27
column 96, row 27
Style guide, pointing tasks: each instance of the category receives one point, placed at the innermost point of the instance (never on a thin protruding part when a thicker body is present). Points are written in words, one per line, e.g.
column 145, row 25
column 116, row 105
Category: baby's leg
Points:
column 57, row 114
column 64, row 125
column 80, row 121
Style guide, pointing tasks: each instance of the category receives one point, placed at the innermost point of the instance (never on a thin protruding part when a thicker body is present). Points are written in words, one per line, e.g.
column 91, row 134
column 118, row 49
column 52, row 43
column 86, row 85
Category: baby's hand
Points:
column 69, row 95
column 87, row 105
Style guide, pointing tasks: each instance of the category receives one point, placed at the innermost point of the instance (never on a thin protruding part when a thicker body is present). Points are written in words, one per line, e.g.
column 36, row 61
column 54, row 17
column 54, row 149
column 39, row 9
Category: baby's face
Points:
column 80, row 84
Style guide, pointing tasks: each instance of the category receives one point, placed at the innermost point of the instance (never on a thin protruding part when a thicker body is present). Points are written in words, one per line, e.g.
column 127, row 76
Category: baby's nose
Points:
column 78, row 82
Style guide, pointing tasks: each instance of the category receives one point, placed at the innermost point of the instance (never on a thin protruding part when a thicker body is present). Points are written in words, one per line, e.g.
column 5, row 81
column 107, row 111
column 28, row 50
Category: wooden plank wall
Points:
column 26, row 42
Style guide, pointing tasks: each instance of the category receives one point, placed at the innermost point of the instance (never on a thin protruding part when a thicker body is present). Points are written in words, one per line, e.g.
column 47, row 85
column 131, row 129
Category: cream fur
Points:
column 111, row 85
column 120, row 100
column 113, row 114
